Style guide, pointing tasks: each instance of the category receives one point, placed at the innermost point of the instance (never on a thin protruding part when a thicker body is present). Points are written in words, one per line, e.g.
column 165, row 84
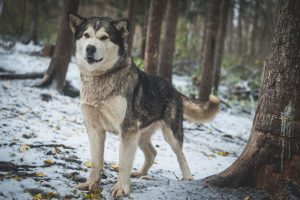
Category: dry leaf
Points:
column 246, row 198
column 222, row 153
column 51, row 195
column 49, row 162
column 24, row 148
column 37, row 196
column 88, row 164
column 40, row 174
column 115, row 166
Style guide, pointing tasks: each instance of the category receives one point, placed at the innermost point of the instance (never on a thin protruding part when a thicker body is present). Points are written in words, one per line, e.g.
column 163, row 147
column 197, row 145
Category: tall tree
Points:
column 220, row 43
column 271, row 159
column 168, row 44
column 56, row 73
column 230, row 29
column 155, row 18
column 23, row 17
column 207, row 64
column 132, row 12
column 35, row 21
column 239, row 46
column 254, row 30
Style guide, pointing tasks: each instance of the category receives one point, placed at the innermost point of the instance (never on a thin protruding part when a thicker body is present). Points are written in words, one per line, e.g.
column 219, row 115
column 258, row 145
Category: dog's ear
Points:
column 74, row 21
column 122, row 26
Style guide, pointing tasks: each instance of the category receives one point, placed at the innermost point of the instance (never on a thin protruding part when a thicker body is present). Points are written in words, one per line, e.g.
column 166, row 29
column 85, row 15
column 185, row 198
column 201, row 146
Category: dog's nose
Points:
column 90, row 49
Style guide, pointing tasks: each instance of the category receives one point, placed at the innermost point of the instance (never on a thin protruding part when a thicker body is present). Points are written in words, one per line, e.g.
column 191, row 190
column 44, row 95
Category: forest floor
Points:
column 44, row 150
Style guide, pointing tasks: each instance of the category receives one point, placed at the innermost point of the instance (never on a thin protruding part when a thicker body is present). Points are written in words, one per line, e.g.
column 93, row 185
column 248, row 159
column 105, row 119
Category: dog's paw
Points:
column 88, row 185
column 119, row 190
column 138, row 174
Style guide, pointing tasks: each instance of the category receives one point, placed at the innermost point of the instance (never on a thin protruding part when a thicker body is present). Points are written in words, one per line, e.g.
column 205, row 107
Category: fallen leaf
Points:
column 115, row 166
column 88, row 164
column 37, row 196
column 86, row 196
column 49, row 162
column 51, row 195
column 40, row 174
column 222, row 153
column 24, row 148
column 246, row 198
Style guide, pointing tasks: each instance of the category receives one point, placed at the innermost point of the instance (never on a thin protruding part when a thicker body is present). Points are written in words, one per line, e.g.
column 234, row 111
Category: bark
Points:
column 24, row 8
column 230, row 29
column 156, row 12
column 1, row 7
column 34, row 25
column 168, row 45
column 271, row 159
column 132, row 12
column 56, row 73
column 203, row 38
column 239, row 48
column 207, row 63
column 254, row 31
column 145, row 9
column 220, row 43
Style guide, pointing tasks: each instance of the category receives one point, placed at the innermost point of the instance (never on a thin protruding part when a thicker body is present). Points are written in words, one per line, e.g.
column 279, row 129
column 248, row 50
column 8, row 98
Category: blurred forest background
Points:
column 244, row 31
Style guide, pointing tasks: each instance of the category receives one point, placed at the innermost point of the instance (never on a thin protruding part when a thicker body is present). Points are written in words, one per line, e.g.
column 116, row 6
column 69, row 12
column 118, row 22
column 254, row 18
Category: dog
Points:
column 118, row 97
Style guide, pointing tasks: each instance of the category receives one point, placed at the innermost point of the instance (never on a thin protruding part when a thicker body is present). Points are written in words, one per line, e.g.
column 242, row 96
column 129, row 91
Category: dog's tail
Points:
column 200, row 111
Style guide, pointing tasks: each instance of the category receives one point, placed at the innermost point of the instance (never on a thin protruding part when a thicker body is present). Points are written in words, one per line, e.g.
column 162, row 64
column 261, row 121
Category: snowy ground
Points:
column 44, row 147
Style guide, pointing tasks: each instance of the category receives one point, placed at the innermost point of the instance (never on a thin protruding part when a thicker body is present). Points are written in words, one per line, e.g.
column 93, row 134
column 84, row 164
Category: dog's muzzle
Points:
column 90, row 51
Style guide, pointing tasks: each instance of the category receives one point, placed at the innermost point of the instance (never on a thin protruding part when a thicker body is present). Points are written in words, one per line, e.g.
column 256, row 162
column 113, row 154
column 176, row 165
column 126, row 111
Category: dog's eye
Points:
column 86, row 35
column 104, row 37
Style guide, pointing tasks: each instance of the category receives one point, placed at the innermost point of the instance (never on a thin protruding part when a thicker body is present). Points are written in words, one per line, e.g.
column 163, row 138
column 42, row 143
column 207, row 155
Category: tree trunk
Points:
column 145, row 9
column 213, row 8
column 271, row 159
column 239, row 47
column 1, row 6
column 220, row 43
column 254, row 31
column 24, row 8
column 203, row 38
column 132, row 12
column 230, row 29
column 35, row 18
column 57, row 70
column 155, row 18
column 168, row 46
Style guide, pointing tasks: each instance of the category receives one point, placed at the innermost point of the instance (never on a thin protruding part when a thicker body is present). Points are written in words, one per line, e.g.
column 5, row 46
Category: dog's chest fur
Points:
column 108, row 114
column 102, row 105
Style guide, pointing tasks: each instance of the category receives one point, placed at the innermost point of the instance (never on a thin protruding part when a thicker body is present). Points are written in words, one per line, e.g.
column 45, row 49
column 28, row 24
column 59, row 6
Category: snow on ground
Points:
column 34, row 131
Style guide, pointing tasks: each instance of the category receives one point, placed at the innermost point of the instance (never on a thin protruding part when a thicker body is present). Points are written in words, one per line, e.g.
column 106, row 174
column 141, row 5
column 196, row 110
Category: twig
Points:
column 176, row 176
column 49, row 145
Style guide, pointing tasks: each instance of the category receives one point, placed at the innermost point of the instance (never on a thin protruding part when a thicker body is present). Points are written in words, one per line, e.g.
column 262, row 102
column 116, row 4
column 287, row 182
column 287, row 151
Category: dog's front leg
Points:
column 96, row 140
column 128, row 145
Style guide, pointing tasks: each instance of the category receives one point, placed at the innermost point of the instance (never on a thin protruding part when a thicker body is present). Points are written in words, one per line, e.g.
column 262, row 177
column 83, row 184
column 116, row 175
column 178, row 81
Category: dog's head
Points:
column 99, row 41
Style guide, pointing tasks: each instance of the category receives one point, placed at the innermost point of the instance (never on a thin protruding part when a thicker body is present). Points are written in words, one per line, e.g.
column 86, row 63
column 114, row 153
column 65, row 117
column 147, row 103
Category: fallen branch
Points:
column 13, row 76
column 49, row 145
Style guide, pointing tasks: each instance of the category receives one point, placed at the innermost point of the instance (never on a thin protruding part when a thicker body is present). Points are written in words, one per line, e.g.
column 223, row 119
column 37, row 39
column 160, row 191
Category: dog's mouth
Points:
column 92, row 60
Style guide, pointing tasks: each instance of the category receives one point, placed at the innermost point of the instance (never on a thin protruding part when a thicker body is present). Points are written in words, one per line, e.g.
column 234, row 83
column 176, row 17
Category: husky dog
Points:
column 117, row 97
